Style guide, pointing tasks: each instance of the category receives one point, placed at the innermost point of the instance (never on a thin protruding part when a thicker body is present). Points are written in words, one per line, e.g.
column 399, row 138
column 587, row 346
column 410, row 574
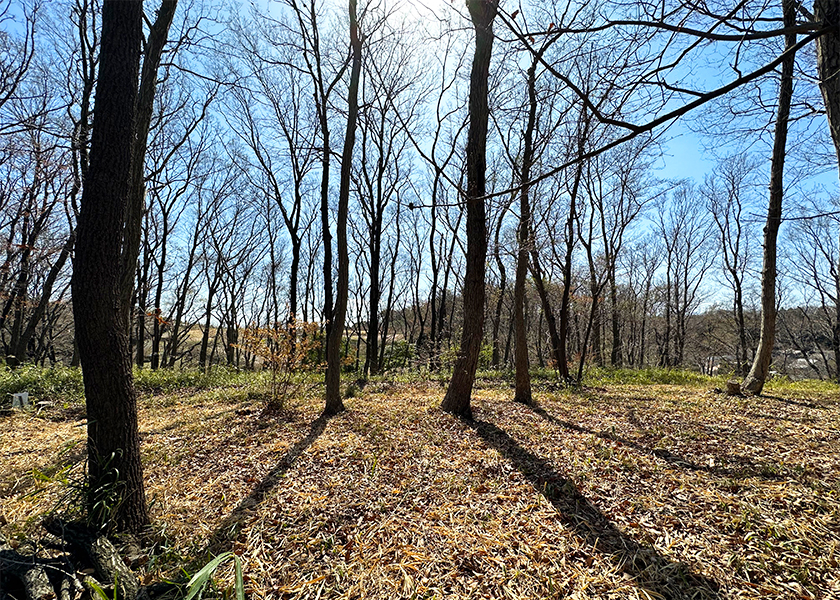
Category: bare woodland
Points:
column 385, row 187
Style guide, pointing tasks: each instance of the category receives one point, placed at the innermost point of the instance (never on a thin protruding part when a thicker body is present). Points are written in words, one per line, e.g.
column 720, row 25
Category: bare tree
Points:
column 457, row 399
column 335, row 331
column 755, row 379
column 16, row 57
column 684, row 226
column 727, row 193
column 815, row 256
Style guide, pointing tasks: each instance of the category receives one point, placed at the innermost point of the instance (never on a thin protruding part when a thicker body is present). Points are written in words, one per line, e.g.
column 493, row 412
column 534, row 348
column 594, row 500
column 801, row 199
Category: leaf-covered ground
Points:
column 646, row 491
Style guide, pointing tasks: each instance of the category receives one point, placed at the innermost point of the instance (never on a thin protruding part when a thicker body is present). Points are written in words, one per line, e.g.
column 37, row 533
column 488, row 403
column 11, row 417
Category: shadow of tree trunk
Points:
column 222, row 538
column 745, row 467
column 659, row 576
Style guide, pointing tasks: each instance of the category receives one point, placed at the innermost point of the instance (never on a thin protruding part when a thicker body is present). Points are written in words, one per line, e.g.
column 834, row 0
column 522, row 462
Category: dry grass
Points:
column 620, row 492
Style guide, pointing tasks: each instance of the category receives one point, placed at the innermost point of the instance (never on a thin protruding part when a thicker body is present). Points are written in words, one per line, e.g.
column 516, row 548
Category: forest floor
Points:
column 620, row 491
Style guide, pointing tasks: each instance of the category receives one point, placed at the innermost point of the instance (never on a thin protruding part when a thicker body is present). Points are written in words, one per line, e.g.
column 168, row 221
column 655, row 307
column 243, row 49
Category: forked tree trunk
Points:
column 565, row 301
column 555, row 336
column 113, row 445
column 754, row 382
column 457, row 399
column 153, row 52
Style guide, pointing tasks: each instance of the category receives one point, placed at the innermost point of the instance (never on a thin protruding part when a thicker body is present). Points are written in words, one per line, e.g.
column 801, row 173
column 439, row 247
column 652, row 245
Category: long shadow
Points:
column 227, row 531
column 67, row 458
column 748, row 468
column 802, row 404
column 651, row 571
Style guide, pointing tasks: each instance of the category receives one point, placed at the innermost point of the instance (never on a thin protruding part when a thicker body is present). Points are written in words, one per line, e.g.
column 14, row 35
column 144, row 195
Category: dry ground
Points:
column 621, row 492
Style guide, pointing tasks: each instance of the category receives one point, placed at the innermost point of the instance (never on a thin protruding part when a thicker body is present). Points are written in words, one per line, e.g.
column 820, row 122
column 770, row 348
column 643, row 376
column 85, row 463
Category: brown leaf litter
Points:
column 629, row 492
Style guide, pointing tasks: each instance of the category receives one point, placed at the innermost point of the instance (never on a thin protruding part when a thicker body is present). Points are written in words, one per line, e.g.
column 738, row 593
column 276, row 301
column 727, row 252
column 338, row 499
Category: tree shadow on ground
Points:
column 745, row 469
column 222, row 538
column 798, row 403
column 652, row 572
column 22, row 480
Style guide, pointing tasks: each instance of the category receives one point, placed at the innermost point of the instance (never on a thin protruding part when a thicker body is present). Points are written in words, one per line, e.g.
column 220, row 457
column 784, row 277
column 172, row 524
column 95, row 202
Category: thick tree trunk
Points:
column 828, row 67
column 333, row 404
column 457, row 399
column 754, row 382
column 326, row 234
column 372, row 343
column 115, row 477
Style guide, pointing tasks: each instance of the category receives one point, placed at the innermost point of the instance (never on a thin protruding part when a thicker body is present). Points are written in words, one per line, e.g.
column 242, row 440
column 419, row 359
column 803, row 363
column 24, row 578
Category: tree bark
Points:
column 754, row 382
column 565, row 302
column 457, row 399
column 145, row 105
column 828, row 64
column 555, row 336
column 522, row 390
column 115, row 477
column 333, row 404
column 497, row 317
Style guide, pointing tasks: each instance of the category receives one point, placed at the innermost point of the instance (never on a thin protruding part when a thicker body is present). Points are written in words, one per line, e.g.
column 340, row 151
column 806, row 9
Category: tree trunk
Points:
column 115, row 476
column 617, row 352
column 333, row 404
column 457, row 399
column 522, row 391
column 157, row 330
column 565, row 301
column 152, row 53
column 757, row 376
column 497, row 317
column 643, row 332
column 372, row 343
column 828, row 66
column 389, row 303
column 326, row 234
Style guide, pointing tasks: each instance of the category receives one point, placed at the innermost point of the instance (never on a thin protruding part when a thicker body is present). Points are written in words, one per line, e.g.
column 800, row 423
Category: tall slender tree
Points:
column 333, row 404
column 457, row 399
column 755, row 379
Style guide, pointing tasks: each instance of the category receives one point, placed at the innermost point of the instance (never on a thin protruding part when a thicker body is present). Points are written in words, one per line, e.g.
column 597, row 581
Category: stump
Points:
column 64, row 577
column 733, row 388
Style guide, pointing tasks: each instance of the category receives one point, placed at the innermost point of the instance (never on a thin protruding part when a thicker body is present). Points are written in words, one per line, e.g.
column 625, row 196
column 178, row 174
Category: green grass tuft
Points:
column 54, row 384
column 648, row 375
